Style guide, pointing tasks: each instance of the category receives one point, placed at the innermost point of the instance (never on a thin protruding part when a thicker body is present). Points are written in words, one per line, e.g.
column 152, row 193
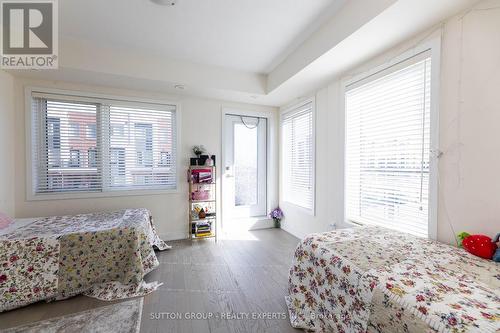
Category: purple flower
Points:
column 277, row 213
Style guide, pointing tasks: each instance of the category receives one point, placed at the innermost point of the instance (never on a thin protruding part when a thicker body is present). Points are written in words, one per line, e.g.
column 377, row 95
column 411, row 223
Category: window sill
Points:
column 96, row 195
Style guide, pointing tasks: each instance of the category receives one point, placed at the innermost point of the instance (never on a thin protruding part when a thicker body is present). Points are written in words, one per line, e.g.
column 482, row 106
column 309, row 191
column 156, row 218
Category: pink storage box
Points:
column 201, row 195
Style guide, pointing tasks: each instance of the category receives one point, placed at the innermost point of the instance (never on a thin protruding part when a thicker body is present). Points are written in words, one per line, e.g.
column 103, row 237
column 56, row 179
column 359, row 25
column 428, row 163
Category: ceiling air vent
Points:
column 165, row 2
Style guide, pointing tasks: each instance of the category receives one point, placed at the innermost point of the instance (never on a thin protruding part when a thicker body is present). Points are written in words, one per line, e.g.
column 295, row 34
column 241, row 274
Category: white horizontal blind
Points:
column 140, row 148
column 65, row 158
column 387, row 149
column 298, row 156
column 93, row 145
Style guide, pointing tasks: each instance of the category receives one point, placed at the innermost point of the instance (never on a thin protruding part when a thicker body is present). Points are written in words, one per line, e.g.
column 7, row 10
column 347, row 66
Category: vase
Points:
column 277, row 223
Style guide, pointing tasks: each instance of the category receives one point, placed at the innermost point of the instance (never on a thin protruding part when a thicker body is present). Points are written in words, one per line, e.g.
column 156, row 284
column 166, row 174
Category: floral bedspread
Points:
column 371, row 279
column 102, row 255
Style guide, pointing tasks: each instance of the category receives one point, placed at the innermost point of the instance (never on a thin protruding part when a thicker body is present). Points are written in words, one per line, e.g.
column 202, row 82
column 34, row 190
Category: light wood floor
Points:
column 244, row 275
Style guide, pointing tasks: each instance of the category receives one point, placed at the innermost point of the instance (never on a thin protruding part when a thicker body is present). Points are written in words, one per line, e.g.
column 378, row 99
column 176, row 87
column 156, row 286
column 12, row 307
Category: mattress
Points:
column 372, row 279
column 18, row 223
column 102, row 255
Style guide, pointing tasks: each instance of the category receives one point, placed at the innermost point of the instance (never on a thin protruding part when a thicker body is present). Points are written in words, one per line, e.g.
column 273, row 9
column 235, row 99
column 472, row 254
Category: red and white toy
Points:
column 480, row 245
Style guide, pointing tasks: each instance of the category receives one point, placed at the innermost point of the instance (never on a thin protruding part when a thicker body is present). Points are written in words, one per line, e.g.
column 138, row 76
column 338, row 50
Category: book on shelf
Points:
column 203, row 234
column 203, row 223
column 206, row 219
column 196, row 232
column 201, row 227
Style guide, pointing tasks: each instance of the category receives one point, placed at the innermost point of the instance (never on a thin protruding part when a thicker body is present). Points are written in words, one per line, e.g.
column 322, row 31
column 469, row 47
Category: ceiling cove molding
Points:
column 351, row 17
column 86, row 56
column 398, row 23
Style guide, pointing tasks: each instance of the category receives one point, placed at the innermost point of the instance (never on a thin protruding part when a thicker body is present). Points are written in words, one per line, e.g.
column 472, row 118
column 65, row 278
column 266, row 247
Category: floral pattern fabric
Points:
column 103, row 255
column 371, row 279
column 28, row 271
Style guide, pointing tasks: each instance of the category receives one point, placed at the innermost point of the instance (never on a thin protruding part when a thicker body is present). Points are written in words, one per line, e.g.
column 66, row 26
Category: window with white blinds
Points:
column 85, row 144
column 297, row 137
column 137, row 150
column 388, row 148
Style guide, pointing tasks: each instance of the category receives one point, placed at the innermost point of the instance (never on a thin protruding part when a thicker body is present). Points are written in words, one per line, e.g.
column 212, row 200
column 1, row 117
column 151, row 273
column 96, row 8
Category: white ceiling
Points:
column 246, row 35
column 267, row 52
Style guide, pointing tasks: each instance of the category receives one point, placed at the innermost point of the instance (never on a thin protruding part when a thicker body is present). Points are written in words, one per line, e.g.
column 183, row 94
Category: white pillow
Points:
column 5, row 220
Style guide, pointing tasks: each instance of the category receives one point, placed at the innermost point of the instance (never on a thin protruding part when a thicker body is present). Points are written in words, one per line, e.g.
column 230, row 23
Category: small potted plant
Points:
column 276, row 215
column 198, row 150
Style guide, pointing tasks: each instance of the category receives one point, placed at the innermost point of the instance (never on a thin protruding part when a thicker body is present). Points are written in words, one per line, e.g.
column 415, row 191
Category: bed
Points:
column 101, row 255
column 371, row 279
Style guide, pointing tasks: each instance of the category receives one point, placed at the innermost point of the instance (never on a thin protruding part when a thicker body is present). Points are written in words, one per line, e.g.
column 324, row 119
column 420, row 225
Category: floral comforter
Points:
column 371, row 279
column 103, row 255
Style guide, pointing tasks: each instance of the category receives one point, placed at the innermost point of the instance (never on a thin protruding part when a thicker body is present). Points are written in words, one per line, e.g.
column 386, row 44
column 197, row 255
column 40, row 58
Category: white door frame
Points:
column 258, row 222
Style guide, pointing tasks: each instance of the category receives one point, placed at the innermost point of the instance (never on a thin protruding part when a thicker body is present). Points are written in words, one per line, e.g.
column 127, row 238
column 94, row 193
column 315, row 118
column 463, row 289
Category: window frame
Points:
column 432, row 46
column 288, row 109
column 84, row 96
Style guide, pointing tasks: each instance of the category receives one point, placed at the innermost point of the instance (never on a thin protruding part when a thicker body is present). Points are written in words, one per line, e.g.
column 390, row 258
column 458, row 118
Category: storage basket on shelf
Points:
column 200, row 195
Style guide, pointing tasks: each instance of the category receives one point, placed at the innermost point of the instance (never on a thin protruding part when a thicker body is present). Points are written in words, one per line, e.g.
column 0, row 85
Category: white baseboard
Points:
column 171, row 236
column 243, row 224
column 293, row 232
column 253, row 223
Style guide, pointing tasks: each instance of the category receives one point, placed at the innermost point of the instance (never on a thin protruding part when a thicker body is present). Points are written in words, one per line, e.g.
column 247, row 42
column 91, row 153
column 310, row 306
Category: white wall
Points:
column 470, row 122
column 469, row 129
column 6, row 139
column 200, row 124
column 328, row 194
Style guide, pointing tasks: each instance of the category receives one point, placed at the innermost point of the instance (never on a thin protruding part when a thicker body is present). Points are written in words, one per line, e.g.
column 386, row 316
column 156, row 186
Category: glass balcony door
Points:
column 245, row 169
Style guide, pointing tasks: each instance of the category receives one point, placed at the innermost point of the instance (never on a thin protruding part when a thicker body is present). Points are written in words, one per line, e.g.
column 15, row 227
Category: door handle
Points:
column 228, row 172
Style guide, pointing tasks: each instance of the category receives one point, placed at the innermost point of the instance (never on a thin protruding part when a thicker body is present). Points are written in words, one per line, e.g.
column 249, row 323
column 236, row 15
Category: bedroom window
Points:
column 140, row 135
column 123, row 148
column 297, row 137
column 388, row 141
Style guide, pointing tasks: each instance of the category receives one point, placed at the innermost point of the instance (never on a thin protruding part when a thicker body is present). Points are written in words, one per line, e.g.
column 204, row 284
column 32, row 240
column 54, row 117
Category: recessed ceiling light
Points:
column 165, row 2
column 179, row 86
